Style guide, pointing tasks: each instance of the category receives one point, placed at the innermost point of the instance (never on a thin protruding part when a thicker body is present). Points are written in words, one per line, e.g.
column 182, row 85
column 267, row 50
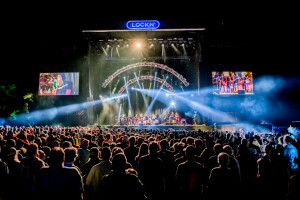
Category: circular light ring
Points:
column 140, row 78
column 144, row 64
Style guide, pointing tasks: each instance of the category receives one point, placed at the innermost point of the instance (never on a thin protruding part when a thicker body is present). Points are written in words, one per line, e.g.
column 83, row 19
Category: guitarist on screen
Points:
column 223, row 83
column 58, row 85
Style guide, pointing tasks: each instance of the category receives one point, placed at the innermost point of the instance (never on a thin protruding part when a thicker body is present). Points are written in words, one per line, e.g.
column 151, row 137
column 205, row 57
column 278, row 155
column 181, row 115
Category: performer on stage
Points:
column 177, row 118
column 195, row 118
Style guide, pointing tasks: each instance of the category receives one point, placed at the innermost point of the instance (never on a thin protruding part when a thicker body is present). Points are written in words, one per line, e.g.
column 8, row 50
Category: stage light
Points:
column 172, row 103
column 138, row 45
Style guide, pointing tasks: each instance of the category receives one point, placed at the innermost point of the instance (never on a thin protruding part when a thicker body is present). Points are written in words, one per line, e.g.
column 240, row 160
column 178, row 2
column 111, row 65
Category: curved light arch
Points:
column 145, row 64
column 140, row 78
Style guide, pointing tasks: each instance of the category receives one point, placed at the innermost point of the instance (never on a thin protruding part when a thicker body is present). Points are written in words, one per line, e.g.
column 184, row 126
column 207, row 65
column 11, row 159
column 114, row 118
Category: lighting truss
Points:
column 145, row 64
column 134, row 80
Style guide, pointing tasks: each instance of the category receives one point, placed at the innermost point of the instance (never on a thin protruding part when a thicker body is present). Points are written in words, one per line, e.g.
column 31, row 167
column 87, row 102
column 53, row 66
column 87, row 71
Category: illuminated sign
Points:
column 143, row 24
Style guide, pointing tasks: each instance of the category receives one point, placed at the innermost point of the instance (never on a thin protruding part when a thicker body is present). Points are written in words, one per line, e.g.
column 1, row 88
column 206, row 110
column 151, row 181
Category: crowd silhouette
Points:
column 93, row 162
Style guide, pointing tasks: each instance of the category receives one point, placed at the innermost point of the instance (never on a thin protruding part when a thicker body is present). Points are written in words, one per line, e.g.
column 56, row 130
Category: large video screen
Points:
column 229, row 82
column 59, row 83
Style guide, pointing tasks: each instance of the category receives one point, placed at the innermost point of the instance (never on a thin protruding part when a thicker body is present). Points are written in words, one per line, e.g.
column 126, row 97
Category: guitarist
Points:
column 223, row 83
column 58, row 84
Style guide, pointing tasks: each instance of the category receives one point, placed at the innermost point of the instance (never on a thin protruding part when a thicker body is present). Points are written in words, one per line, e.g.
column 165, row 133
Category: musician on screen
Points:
column 58, row 85
column 234, row 82
column 223, row 83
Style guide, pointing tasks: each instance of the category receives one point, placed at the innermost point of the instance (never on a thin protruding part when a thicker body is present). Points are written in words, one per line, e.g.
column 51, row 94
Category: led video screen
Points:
column 59, row 83
column 229, row 82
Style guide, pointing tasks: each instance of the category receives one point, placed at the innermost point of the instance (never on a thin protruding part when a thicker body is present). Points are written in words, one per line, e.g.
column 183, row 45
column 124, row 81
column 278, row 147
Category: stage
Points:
column 202, row 127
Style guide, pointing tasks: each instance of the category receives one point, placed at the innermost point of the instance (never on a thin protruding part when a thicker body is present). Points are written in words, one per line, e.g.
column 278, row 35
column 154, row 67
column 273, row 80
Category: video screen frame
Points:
column 232, row 82
column 58, row 83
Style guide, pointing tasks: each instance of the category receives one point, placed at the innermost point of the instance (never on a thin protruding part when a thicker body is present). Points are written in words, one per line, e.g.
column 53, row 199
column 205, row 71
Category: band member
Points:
column 223, row 83
column 153, row 118
column 166, row 117
column 216, row 80
column 195, row 118
column 234, row 82
column 129, row 120
column 171, row 117
column 58, row 85
column 228, row 80
column 177, row 118
column 244, row 82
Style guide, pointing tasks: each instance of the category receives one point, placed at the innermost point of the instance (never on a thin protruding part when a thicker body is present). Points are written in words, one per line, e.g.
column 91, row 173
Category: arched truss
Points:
column 144, row 64
column 140, row 78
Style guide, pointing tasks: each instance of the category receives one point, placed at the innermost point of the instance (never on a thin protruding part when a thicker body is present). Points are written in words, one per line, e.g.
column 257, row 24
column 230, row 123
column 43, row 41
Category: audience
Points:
column 94, row 162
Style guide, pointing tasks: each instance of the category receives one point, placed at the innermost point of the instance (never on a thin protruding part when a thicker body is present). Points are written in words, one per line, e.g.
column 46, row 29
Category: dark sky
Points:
column 266, row 29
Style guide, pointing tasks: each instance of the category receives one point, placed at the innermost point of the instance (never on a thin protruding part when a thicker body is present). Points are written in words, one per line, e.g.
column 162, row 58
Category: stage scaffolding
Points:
column 107, row 53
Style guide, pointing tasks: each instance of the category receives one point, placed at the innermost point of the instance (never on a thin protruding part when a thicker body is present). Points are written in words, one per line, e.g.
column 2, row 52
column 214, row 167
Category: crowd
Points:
column 93, row 162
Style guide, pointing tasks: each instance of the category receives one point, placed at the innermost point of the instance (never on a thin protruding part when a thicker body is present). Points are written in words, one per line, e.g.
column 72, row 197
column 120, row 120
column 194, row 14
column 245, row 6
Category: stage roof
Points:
column 154, row 33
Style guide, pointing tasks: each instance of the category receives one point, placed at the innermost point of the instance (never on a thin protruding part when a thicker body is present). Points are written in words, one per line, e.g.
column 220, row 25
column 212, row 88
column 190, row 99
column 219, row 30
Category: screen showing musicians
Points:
column 59, row 84
column 229, row 82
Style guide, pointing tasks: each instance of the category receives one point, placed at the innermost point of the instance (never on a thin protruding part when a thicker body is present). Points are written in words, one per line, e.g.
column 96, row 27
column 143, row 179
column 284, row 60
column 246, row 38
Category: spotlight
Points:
column 172, row 103
column 138, row 45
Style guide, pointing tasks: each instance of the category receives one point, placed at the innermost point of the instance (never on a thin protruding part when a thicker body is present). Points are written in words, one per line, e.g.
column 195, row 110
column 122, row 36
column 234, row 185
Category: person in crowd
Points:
column 31, row 166
column 97, row 172
column 93, row 160
column 150, row 172
column 143, row 150
column 167, row 158
column 131, row 151
column 233, row 163
column 190, row 176
column 119, row 183
column 15, row 168
column 207, row 152
column 70, row 158
column 4, row 171
column 248, row 165
column 213, row 160
column 57, row 181
column 83, row 152
column 291, row 153
column 222, row 182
